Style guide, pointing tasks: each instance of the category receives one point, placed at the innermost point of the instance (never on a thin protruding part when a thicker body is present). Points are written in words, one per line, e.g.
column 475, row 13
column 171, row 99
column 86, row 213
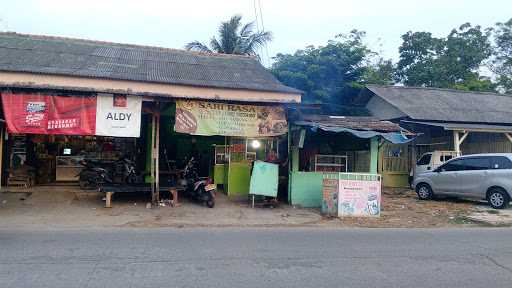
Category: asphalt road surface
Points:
column 257, row 258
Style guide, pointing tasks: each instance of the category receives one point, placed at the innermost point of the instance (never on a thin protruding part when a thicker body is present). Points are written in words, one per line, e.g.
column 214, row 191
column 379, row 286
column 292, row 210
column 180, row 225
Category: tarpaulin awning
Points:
column 394, row 137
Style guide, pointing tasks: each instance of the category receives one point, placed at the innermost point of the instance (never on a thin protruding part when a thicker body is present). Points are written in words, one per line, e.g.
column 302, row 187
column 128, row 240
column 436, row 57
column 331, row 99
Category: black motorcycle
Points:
column 97, row 173
column 198, row 188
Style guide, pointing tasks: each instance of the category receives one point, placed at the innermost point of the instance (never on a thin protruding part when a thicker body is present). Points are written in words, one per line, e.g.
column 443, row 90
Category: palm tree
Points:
column 234, row 38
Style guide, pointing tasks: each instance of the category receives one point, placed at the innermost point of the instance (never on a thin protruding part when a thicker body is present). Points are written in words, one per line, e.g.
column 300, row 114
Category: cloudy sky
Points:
column 295, row 23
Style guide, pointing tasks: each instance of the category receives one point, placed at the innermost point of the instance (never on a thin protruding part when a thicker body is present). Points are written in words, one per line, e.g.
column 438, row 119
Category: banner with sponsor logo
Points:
column 44, row 114
column 118, row 115
column 62, row 115
column 213, row 118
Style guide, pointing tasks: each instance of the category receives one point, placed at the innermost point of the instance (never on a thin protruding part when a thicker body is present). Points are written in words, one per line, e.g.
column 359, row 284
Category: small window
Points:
column 455, row 165
column 444, row 158
column 424, row 160
column 500, row 162
column 477, row 163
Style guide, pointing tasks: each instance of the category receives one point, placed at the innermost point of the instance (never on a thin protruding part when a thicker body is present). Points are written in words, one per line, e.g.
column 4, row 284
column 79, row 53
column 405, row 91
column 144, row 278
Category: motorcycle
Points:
column 97, row 173
column 199, row 188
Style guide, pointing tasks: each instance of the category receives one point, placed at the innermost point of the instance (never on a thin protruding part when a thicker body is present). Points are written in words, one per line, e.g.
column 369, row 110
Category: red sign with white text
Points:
column 45, row 114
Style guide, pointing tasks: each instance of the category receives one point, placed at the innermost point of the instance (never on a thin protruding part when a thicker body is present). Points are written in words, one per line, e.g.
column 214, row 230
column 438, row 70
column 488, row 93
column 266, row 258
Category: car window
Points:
column 424, row 160
column 477, row 163
column 454, row 165
column 500, row 162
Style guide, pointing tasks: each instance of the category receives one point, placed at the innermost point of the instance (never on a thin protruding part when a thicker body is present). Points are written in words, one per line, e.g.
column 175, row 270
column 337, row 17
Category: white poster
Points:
column 360, row 196
column 118, row 115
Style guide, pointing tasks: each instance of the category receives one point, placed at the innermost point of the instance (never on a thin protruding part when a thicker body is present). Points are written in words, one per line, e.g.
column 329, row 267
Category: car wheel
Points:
column 498, row 198
column 424, row 191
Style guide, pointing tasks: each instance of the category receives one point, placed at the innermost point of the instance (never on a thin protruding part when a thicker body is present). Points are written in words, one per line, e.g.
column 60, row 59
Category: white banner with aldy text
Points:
column 118, row 115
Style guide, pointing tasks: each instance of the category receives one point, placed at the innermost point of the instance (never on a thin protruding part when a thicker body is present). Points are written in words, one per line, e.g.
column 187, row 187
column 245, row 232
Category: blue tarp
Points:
column 393, row 137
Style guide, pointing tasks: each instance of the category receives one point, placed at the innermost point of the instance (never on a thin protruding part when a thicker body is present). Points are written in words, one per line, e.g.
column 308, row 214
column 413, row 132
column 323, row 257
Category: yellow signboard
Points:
column 215, row 118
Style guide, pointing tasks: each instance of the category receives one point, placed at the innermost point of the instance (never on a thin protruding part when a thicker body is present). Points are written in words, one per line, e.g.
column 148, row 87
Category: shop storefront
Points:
column 49, row 134
column 244, row 133
column 70, row 107
column 338, row 145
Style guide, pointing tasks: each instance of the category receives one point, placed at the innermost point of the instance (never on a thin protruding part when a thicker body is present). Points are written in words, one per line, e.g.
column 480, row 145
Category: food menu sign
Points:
column 212, row 118
column 359, row 195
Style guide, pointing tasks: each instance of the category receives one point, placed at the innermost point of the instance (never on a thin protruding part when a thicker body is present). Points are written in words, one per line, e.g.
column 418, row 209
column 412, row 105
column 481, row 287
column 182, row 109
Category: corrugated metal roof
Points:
column 350, row 122
column 447, row 105
column 76, row 57
column 361, row 127
column 465, row 126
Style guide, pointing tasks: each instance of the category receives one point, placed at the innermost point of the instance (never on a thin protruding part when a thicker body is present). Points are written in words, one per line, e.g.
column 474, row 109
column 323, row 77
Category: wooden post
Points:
column 414, row 157
column 157, row 157
column 153, row 194
column 509, row 137
column 108, row 199
column 290, row 161
column 374, row 154
column 457, row 140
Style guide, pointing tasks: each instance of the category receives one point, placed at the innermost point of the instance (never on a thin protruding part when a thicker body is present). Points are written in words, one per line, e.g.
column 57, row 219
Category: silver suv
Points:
column 480, row 176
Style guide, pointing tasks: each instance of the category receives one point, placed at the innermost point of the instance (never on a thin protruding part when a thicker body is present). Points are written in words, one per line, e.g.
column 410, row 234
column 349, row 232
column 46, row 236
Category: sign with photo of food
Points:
column 225, row 119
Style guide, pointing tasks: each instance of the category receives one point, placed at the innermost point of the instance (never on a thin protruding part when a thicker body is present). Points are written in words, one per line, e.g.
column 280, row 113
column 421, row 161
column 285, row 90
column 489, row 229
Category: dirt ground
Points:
column 68, row 207
column 401, row 208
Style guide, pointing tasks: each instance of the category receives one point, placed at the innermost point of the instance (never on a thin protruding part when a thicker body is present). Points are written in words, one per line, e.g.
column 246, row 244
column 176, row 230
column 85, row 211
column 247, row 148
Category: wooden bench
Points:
column 110, row 190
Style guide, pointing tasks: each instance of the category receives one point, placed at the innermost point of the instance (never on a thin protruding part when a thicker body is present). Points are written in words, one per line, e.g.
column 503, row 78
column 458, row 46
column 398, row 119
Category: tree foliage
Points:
column 234, row 38
column 380, row 72
column 330, row 73
column 450, row 62
column 502, row 62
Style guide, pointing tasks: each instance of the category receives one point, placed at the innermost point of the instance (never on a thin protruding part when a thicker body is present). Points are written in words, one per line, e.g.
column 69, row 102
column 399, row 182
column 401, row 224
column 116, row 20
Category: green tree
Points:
column 450, row 62
column 234, row 38
column 502, row 62
column 381, row 72
column 327, row 74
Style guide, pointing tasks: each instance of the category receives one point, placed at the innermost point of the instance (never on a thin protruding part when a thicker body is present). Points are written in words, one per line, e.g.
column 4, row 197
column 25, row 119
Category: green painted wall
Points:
column 306, row 189
column 218, row 173
column 395, row 179
column 239, row 178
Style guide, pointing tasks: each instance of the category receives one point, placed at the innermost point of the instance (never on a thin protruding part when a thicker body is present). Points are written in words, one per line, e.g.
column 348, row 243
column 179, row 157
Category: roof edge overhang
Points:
column 149, row 89
column 469, row 127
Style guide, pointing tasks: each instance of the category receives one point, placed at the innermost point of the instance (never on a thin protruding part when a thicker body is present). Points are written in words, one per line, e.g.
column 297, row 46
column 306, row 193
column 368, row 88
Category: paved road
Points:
column 257, row 258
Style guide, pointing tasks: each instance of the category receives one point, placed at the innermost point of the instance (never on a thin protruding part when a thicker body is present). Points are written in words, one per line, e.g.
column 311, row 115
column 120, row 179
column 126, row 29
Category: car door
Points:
column 473, row 176
column 444, row 179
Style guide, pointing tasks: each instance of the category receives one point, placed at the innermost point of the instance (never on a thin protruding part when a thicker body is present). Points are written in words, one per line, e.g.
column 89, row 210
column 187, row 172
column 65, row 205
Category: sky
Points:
column 295, row 24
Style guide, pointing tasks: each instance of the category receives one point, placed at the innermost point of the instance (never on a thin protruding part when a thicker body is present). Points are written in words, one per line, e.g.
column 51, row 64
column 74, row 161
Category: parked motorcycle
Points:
column 198, row 188
column 97, row 173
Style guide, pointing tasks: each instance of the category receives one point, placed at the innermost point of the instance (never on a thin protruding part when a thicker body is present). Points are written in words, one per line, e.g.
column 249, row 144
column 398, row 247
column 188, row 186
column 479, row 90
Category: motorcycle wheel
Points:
column 84, row 184
column 210, row 203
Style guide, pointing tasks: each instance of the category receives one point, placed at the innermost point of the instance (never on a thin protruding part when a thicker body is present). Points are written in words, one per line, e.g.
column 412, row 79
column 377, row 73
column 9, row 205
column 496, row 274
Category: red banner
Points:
column 45, row 114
